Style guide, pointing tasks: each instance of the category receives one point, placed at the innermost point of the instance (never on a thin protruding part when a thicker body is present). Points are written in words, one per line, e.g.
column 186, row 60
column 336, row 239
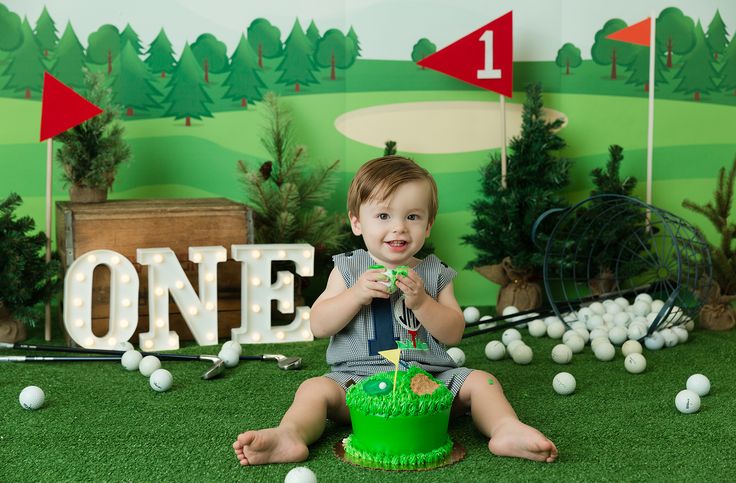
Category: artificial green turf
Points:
column 101, row 423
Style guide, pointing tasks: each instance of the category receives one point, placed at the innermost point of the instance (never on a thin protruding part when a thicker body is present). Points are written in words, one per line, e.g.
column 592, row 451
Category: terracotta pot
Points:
column 11, row 330
column 85, row 194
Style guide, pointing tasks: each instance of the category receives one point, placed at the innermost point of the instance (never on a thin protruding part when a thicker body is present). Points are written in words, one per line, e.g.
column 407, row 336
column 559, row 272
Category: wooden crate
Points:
column 125, row 225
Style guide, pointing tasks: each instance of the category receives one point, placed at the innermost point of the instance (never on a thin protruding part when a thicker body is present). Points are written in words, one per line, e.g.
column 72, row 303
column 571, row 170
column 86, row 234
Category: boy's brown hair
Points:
column 379, row 178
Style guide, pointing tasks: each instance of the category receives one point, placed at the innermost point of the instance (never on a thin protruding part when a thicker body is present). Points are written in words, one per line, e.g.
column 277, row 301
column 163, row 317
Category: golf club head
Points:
column 218, row 366
column 285, row 363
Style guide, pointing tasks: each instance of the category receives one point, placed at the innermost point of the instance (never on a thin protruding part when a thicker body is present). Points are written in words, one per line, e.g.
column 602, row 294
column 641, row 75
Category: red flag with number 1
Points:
column 483, row 58
column 62, row 108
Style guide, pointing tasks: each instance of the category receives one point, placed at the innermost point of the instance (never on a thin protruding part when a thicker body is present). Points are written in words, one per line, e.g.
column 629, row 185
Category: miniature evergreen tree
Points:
column 503, row 219
column 718, row 313
column 92, row 151
column 25, row 277
column 286, row 193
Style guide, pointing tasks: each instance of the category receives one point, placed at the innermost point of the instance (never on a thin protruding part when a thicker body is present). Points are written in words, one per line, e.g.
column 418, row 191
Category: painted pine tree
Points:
column 26, row 66
column 128, row 35
column 187, row 97
column 297, row 66
column 161, row 55
column 639, row 68
column 313, row 35
column 70, row 59
column 697, row 72
column 46, row 32
column 728, row 71
column 132, row 87
column 717, row 36
column 244, row 83
column 354, row 37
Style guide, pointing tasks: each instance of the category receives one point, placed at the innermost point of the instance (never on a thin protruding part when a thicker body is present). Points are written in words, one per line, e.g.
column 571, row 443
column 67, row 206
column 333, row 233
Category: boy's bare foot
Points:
column 514, row 438
column 273, row 445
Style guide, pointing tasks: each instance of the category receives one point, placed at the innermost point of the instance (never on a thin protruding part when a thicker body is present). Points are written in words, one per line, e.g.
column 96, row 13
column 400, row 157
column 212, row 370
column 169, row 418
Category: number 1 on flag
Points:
column 488, row 72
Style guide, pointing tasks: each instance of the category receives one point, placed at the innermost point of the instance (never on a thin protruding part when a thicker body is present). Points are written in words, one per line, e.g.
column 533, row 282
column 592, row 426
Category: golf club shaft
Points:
column 82, row 350
column 57, row 358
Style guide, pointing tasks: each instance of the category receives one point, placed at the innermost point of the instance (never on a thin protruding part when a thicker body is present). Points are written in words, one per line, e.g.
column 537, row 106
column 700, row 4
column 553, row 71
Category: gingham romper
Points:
column 353, row 352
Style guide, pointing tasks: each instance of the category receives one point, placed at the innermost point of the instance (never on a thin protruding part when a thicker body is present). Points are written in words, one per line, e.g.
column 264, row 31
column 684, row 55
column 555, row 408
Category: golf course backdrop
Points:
column 190, row 79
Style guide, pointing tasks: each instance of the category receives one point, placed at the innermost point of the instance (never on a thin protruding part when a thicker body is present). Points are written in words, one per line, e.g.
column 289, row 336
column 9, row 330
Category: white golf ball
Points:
column 631, row 346
column 654, row 342
column 622, row 302
column 513, row 345
column 486, row 325
column 124, row 346
column 471, row 314
column 596, row 341
column 622, row 318
column 681, row 333
column 583, row 333
column 555, row 330
column 618, row 335
column 575, row 343
column 699, row 384
column 635, row 363
column 229, row 356
column 687, row 401
column 457, row 355
column 231, row 344
column 300, row 474
column 551, row 320
column 561, row 354
column 645, row 297
column 522, row 354
column 597, row 308
column 161, row 380
column 604, row 352
column 495, row 350
column 564, row 383
column 613, row 308
column 537, row 328
column 149, row 364
column 656, row 306
column 670, row 339
column 509, row 335
column 584, row 314
column 510, row 310
column 131, row 360
column 636, row 332
column 31, row 397
column 641, row 308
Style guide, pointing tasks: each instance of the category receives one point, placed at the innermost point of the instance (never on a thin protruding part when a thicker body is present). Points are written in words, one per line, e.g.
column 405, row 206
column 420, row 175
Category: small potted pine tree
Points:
column 26, row 279
column 92, row 151
column 718, row 313
column 287, row 194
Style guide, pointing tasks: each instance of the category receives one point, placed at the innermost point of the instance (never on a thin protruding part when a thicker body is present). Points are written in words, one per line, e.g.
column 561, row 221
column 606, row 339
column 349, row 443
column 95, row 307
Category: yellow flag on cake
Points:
column 393, row 355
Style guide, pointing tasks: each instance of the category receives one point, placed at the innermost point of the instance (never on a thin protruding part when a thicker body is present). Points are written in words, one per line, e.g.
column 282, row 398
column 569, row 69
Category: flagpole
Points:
column 502, row 98
column 49, row 164
column 650, row 124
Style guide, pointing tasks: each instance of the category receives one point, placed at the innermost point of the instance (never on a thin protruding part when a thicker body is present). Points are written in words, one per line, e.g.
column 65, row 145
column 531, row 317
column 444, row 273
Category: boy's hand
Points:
column 370, row 285
column 413, row 289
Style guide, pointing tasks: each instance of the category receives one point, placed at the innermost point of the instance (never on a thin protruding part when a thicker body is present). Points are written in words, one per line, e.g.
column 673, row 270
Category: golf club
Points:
column 215, row 370
column 285, row 363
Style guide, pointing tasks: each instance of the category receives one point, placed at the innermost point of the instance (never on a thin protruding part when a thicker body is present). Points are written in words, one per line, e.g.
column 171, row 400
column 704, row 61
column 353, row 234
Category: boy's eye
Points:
column 413, row 217
column 383, row 216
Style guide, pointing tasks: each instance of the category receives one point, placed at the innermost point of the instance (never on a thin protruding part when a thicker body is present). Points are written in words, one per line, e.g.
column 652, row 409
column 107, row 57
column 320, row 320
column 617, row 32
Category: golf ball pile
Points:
column 32, row 398
column 161, row 380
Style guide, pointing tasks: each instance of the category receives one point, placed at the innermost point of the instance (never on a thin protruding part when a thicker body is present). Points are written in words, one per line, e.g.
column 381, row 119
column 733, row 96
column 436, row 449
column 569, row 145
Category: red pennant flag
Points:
column 62, row 108
column 483, row 58
column 634, row 34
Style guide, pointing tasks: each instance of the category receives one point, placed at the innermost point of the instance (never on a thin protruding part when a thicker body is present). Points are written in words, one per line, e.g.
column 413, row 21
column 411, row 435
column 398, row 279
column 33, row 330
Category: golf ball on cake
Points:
column 300, row 474
column 495, row 350
column 231, row 344
column 471, row 314
column 687, row 401
column 131, row 360
column 148, row 365
column 699, row 384
column 457, row 355
column 635, row 363
column 229, row 356
column 564, row 383
column 161, row 380
column 31, row 397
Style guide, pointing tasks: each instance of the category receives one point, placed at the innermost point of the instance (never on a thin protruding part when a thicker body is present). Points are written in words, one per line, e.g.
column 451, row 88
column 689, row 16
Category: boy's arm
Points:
column 442, row 317
column 334, row 308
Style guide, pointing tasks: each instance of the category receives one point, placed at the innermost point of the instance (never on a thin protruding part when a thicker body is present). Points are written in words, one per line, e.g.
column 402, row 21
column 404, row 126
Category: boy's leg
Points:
column 495, row 418
column 316, row 400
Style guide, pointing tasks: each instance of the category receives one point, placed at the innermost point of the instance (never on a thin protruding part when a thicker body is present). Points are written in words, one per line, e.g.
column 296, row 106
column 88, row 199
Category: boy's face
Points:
column 394, row 229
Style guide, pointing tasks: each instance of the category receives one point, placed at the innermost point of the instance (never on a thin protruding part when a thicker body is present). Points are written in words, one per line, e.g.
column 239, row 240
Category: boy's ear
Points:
column 355, row 224
column 429, row 228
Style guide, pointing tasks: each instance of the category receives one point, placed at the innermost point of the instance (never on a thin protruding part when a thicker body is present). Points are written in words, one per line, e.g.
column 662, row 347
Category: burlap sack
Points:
column 11, row 330
column 517, row 289
column 717, row 317
column 602, row 283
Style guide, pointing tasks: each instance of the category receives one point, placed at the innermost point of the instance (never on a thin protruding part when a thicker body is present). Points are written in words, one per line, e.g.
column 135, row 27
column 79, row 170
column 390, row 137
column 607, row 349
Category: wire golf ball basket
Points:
column 611, row 246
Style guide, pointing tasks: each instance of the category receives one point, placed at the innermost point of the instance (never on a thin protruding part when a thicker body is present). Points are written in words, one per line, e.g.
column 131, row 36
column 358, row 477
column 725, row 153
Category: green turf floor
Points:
column 101, row 423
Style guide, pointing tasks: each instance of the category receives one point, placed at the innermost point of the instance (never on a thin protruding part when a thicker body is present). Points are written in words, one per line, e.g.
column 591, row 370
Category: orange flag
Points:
column 634, row 34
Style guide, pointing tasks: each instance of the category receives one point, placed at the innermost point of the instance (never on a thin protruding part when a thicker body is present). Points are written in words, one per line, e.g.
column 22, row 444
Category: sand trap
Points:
column 434, row 127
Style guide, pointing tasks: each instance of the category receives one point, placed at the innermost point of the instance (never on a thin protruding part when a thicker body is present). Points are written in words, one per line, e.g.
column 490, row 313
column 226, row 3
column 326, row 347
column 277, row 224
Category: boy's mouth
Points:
column 397, row 244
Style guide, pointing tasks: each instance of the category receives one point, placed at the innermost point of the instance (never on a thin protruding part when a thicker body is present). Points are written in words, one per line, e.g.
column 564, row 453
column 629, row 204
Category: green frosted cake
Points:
column 401, row 429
